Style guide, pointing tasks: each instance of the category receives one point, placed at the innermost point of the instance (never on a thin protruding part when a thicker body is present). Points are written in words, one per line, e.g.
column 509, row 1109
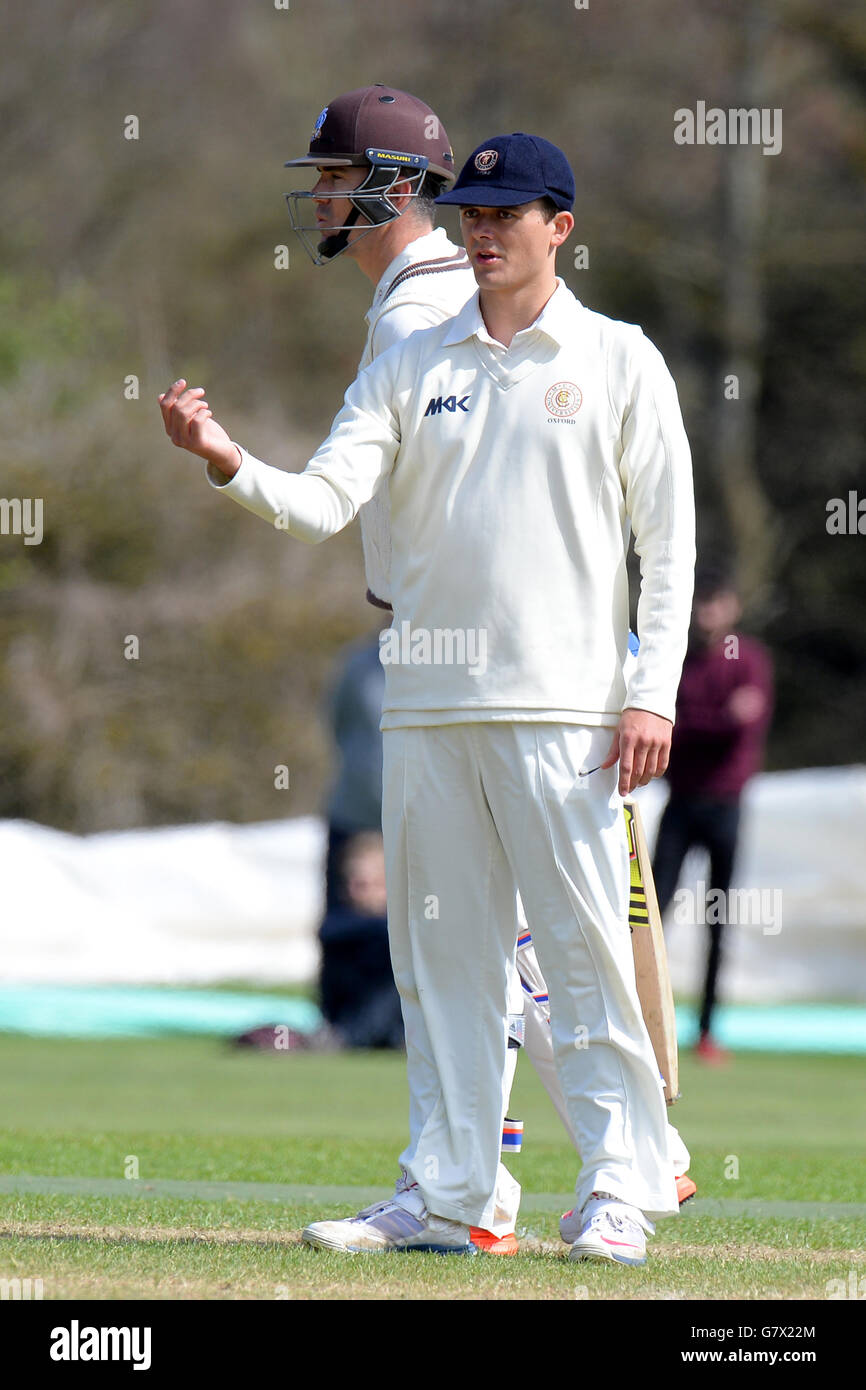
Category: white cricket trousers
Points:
column 470, row 813
column 538, row 1046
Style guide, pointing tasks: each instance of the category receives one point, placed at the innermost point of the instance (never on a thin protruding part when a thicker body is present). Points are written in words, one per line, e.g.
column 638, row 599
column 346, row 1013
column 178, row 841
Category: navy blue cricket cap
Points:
column 509, row 170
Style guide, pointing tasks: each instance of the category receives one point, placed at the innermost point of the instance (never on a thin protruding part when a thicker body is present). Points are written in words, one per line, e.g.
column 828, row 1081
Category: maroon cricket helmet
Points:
column 392, row 134
column 380, row 118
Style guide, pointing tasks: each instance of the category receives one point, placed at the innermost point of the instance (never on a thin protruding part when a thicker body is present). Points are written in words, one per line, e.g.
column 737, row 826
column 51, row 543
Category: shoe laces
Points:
column 622, row 1224
column 388, row 1203
column 618, row 1222
column 376, row 1209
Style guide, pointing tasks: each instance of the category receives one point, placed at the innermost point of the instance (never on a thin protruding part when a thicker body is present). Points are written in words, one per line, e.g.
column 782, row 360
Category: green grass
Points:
column 195, row 1110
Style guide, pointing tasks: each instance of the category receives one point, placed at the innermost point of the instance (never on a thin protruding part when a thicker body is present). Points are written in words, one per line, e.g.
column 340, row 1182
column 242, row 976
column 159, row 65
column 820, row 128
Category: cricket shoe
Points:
column 490, row 1244
column 708, row 1050
column 401, row 1222
column 686, row 1188
column 606, row 1229
column 571, row 1221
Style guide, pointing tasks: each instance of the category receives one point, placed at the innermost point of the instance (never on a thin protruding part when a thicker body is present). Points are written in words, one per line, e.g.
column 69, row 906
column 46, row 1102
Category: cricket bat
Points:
column 650, row 957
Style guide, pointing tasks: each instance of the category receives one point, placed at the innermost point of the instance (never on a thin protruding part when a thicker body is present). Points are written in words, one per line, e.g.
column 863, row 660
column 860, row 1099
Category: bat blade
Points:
column 650, row 956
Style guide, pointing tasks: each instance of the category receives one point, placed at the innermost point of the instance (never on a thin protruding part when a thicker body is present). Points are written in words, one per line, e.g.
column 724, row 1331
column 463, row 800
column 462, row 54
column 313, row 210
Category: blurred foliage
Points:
column 154, row 258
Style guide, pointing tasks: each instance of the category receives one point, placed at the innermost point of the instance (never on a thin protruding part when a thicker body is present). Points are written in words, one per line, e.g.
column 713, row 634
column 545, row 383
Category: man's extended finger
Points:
column 635, row 766
column 171, row 395
column 167, row 402
column 650, row 766
column 612, row 752
column 625, row 771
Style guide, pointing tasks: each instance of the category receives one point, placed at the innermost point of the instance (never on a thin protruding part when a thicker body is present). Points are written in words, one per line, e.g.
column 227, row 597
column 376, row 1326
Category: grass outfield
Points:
column 776, row 1145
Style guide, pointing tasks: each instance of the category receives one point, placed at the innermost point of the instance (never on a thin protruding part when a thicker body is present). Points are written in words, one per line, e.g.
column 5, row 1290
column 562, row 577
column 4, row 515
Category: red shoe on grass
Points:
column 710, row 1052
column 494, row 1245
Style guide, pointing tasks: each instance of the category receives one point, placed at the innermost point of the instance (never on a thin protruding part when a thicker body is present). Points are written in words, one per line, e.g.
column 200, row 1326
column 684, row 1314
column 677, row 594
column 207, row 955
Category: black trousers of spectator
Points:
column 337, row 839
column 711, row 825
column 357, row 987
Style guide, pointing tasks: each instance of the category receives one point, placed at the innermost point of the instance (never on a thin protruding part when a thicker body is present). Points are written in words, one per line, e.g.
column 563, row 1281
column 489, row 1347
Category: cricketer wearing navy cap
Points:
column 510, row 170
column 510, row 517
column 514, row 194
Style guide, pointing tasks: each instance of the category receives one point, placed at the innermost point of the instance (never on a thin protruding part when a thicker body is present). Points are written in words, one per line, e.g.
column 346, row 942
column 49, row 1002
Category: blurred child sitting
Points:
column 359, row 999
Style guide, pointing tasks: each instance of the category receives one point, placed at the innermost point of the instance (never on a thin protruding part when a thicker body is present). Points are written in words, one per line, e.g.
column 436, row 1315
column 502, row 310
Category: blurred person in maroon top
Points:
column 724, row 704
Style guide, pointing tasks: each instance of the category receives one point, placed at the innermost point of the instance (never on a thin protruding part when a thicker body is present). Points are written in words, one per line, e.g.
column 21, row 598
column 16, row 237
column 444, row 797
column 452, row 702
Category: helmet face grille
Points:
column 369, row 200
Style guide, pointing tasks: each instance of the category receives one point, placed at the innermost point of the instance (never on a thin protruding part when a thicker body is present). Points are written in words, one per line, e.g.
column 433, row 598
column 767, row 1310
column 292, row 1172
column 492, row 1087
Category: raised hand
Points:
column 189, row 424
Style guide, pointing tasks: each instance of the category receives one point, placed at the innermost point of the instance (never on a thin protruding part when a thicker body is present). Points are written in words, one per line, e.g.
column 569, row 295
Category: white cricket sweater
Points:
column 513, row 475
column 429, row 281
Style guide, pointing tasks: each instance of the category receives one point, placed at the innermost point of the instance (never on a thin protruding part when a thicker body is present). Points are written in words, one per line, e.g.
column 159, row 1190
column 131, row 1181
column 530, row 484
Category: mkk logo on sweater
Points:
column 450, row 403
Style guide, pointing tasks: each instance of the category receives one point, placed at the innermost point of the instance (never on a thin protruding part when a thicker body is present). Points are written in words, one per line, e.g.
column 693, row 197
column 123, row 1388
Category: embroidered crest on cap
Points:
column 320, row 121
column 485, row 160
column 563, row 398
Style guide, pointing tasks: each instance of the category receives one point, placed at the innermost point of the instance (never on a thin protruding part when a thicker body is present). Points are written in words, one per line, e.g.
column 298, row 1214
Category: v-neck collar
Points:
column 508, row 366
column 529, row 349
column 432, row 245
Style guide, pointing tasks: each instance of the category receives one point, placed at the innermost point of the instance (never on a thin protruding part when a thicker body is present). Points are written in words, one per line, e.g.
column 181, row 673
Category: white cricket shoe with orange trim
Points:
column 609, row 1230
column 401, row 1222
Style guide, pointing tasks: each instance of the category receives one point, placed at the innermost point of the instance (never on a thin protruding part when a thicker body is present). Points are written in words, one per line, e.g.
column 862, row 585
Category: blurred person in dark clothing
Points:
column 724, row 705
column 359, row 999
column 355, row 802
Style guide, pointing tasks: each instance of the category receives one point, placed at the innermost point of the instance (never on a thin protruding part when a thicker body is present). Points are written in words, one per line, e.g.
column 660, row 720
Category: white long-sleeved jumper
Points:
column 514, row 475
